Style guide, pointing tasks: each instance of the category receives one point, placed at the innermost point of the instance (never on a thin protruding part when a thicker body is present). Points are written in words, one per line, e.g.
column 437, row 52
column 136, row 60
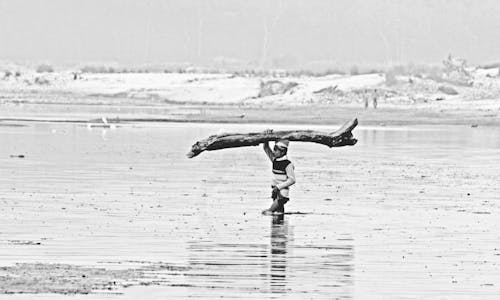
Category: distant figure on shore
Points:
column 76, row 75
column 370, row 95
column 365, row 98
column 283, row 176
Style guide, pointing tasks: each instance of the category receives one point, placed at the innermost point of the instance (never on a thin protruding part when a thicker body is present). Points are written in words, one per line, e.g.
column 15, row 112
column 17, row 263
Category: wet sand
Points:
column 127, row 110
column 407, row 213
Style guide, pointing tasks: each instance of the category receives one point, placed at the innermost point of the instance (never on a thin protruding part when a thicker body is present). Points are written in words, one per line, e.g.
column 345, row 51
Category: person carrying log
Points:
column 283, row 176
column 283, row 169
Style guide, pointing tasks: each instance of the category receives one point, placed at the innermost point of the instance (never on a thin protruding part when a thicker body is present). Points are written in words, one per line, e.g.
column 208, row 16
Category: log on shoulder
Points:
column 339, row 138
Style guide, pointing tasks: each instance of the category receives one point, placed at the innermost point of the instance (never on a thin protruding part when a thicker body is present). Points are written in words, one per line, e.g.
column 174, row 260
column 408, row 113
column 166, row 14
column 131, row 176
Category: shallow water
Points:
column 407, row 213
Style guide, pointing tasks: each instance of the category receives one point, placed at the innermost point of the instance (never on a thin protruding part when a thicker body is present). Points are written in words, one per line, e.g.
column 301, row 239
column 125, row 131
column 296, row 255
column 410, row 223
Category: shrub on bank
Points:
column 44, row 68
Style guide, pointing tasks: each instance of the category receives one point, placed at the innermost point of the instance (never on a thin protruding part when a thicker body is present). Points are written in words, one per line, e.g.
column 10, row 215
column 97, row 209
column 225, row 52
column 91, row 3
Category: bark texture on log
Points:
column 339, row 138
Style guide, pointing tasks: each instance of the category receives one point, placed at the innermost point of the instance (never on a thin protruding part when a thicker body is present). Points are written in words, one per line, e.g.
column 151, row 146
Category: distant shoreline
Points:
column 307, row 114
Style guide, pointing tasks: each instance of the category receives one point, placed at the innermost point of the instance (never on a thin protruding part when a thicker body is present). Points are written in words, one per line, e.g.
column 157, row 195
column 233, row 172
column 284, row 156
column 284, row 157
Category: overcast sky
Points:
column 264, row 32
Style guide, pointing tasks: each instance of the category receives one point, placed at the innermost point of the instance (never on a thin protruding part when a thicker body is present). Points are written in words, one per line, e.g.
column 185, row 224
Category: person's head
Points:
column 281, row 148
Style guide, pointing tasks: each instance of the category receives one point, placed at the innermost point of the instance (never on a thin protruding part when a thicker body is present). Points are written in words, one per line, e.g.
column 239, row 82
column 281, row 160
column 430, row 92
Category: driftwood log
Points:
column 339, row 138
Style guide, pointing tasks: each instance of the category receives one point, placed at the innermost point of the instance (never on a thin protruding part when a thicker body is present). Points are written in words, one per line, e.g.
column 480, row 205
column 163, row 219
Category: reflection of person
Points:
column 283, row 176
column 365, row 98
column 279, row 239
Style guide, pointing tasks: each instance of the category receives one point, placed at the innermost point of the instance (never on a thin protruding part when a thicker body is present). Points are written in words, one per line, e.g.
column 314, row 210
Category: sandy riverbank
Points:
column 250, row 99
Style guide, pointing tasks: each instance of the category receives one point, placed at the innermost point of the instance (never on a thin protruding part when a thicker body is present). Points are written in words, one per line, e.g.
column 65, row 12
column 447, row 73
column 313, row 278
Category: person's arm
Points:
column 290, row 174
column 268, row 151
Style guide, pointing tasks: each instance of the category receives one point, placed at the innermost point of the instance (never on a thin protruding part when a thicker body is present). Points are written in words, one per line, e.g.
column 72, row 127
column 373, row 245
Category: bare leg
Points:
column 281, row 206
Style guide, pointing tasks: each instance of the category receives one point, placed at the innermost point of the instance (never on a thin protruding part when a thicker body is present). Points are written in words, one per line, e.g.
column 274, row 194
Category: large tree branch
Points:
column 339, row 138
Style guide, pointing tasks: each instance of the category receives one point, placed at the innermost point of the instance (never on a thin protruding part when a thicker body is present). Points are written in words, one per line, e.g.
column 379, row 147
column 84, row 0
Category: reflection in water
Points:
column 284, row 265
column 279, row 239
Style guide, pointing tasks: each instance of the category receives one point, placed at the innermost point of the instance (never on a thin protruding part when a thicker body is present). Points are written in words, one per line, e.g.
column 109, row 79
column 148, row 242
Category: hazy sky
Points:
column 264, row 32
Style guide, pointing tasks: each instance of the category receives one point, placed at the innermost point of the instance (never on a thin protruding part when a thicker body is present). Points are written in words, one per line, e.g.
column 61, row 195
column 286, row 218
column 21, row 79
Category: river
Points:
column 407, row 213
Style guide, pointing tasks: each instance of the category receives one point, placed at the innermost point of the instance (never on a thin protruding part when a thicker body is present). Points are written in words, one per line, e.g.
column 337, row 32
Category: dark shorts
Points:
column 280, row 198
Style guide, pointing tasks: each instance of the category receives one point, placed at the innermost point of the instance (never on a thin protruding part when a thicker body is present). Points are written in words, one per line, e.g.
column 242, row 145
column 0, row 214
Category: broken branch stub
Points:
column 339, row 138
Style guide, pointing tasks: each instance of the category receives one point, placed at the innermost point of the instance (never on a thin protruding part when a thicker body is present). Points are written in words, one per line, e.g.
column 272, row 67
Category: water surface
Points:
column 407, row 213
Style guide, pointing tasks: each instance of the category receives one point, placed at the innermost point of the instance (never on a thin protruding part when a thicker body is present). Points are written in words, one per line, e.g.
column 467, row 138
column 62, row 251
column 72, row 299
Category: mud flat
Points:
column 90, row 213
